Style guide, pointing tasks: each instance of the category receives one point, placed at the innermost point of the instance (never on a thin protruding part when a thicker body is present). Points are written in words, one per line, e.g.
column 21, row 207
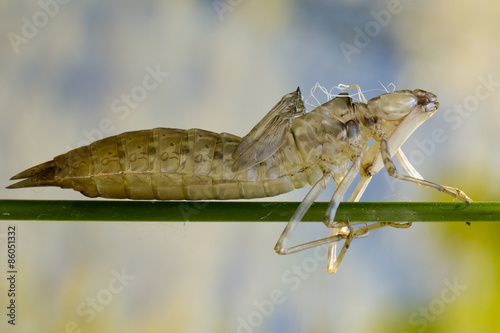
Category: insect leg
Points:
column 391, row 170
column 281, row 245
column 357, row 233
column 355, row 197
column 360, row 189
column 399, row 224
column 405, row 163
column 334, row 260
column 341, row 189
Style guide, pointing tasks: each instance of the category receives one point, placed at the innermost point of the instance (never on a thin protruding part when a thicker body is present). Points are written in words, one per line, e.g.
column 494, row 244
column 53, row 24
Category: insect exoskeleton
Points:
column 287, row 149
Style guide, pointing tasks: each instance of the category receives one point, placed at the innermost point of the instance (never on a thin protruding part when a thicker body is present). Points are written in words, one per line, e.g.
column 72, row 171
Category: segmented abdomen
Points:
column 173, row 164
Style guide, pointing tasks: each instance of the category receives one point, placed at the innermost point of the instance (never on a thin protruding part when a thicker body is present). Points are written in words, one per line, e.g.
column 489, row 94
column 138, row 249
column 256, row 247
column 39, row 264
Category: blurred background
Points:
column 73, row 72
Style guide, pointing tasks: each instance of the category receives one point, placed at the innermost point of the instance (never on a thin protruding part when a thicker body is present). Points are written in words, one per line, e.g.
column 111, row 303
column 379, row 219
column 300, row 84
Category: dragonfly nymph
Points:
column 288, row 149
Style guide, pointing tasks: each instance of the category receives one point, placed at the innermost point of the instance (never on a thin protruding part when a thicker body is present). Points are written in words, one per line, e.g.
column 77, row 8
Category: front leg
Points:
column 391, row 170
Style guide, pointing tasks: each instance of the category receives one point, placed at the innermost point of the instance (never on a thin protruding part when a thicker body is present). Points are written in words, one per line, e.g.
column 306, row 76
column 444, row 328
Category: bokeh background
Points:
column 65, row 68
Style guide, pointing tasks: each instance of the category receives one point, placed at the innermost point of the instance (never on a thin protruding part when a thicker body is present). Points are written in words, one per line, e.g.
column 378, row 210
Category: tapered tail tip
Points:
column 39, row 175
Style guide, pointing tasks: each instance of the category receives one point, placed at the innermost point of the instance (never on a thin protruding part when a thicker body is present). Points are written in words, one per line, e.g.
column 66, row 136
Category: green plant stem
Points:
column 204, row 211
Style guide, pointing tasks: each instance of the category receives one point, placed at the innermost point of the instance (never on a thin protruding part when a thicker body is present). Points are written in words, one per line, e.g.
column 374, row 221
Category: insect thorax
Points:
column 328, row 137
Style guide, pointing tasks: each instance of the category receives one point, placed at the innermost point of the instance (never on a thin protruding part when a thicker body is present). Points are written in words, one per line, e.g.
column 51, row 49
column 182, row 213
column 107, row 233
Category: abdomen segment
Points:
column 166, row 164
